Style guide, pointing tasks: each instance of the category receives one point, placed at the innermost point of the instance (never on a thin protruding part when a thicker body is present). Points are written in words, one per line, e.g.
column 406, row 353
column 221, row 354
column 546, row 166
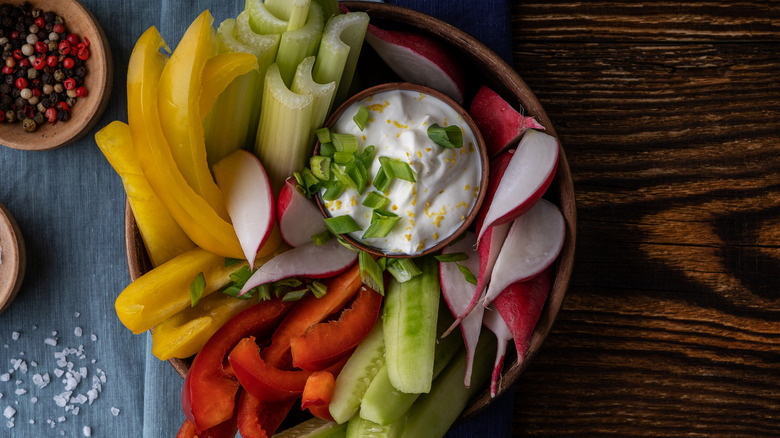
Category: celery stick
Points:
column 293, row 11
column 298, row 44
column 433, row 413
column 283, row 132
column 362, row 428
column 354, row 378
column 382, row 403
column 303, row 83
column 329, row 8
column 410, row 315
column 262, row 20
column 339, row 50
column 314, row 428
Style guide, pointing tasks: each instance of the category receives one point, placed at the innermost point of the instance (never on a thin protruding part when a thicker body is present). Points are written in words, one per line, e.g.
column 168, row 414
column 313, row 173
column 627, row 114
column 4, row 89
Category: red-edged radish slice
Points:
column 520, row 306
column 310, row 260
column 500, row 124
column 533, row 243
column 493, row 320
column 419, row 59
column 525, row 180
column 248, row 198
column 297, row 216
column 458, row 292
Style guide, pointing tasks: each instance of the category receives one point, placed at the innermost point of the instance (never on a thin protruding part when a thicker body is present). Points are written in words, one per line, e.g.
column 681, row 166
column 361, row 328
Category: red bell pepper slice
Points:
column 265, row 382
column 258, row 419
column 208, row 396
column 318, row 393
column 324, row 343
column 226, row 429
column 309, row 311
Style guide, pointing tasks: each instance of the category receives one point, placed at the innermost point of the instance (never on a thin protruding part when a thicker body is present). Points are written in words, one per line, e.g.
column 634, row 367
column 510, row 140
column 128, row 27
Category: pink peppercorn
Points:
column 68, row 63
column 82, row 91
column 21, row 83
column 52, row 61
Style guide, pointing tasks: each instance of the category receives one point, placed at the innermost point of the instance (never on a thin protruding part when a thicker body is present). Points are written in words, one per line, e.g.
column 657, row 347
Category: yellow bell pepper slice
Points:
column 165, row 290
column 196, row 217
column 178, row 99
column 163, row 237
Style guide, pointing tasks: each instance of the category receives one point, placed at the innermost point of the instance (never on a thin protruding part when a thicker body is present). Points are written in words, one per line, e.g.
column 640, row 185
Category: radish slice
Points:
column 533, row 243
column 520, row 306
column 248, row 198
column 458, row 292
column 308, row 260
column 297, row 216
column 420, row 59
column 500, row 124
column 525, row 180
column 496, row 324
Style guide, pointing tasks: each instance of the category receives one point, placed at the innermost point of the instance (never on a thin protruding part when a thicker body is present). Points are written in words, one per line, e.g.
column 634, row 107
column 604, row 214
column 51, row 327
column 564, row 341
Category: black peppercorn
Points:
column 63, row 116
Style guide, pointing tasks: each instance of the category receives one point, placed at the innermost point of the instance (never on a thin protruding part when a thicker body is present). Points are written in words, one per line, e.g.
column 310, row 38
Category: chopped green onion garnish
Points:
column 468, row 274
column 403, row 269
column 197, row 287
column 382, row 262
column 323, row 135
column 327, row 149
column 370, row 272
column 298, row 178
column 343, row 157
column 381, row 181
column 367, row 156
column 311, row 184
column 321, row 238
column 229, row 261
column 382, row 222
column 358, row 173
column 346, row 244
column 333, row 189
column 263, row 292
column 318, row 288
column 375, row 200
column 344, row 142
column 320, row 167
column 361, row 117
column 295, row 295
column 342, row 224
column 452, row 257
column 397, row 169
column 449, row 137
column 342, row 177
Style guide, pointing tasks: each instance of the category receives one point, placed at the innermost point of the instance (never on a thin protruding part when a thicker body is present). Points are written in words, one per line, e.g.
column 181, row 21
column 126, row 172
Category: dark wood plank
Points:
column 669, row 114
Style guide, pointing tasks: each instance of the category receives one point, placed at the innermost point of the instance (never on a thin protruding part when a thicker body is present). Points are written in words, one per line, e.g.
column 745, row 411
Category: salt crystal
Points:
column 80, row 399
column 33, row 363
column 62, row 399
column 15, row 336
column 33, row 400
column 32, row 421
column 54, row 333
column 76, row 314
column 50, row 341
column 92, row 394
column 87, row 431
column 5, row 377
column 20, row 391
column 76, row 410
column 83, row 372
column 35, row 327
column 61, row 419
column 58, row 372
column 77, row 331
column 114, row 411
column 93, row 337
column 9, row 412
column 9, row 424
column 41, row 381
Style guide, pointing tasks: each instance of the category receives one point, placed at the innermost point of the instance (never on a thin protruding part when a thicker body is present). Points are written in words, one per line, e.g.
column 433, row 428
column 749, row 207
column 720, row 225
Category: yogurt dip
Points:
column 447, row 180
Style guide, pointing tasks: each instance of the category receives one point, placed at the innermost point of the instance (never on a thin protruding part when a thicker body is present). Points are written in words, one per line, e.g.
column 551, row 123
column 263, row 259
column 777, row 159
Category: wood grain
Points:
column 669, row 113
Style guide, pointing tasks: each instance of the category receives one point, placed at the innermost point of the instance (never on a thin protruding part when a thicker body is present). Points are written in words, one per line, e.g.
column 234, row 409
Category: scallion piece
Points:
column 318, row 288
column 321, row 238
column 311, row 184
column 446, row 137
column 342, row 224
column 382, row 262
column 323, row 135
column 333, row 189
column 263, row 292
column 320, row 167
column 346, row 244
column 342, row 177
column 395, row 168
column 370, row 272
column 403, row 270
column 367, row 156
column 382, row 222
column 230, row 261
column 358, row 173
column 468, row 274
column 343, row 157
column 361, row 117
column 344, row 142
column 381, row 181
column 375, row 200
column 197, row 287
column 327, row 149
column 295, row 295
column 452, row 257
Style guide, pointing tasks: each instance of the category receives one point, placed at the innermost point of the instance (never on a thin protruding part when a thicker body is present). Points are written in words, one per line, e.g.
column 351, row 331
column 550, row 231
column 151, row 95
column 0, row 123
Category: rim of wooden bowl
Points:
column 99, row 81
column 502, row 78
column 481, row 148
column 13, row 258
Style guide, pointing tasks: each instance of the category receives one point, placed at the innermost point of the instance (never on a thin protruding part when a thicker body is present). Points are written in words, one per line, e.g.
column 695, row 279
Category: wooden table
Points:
column 669, row 113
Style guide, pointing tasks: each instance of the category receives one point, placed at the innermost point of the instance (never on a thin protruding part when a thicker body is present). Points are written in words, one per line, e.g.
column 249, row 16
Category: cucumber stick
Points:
column 382, row 403
column 314, row 428
column 409, row 322
column 354, row 378
column 433, row 413
column 361, row 428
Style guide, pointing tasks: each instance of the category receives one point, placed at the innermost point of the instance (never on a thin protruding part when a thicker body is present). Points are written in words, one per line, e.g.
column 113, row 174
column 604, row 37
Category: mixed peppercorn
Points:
column 43, row 66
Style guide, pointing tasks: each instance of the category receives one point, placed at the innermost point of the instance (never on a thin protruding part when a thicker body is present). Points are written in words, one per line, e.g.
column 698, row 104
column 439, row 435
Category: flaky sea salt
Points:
column 15, row 336
column 50, row 341
column 87, row 431
column 9, row 412
column 77, row 331
column 114, row 411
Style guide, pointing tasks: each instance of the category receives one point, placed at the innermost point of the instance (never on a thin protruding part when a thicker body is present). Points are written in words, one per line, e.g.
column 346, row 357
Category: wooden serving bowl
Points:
column 481, row 150
column 484, row 67
column 99, row 80
column 12, row 258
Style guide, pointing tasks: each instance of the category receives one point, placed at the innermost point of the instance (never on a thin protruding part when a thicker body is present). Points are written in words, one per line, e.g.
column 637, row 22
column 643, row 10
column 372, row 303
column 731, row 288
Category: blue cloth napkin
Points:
column 67, row 365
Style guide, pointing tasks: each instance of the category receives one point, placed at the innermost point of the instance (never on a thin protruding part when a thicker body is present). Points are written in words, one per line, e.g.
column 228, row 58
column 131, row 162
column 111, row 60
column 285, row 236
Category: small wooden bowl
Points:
column 483, row 67
column 12, row 258
column 481, row 148
column 99, row 80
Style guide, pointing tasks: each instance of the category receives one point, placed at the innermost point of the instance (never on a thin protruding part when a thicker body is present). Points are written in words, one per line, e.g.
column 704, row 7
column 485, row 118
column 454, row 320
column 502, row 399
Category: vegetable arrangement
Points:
column 249, row 279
